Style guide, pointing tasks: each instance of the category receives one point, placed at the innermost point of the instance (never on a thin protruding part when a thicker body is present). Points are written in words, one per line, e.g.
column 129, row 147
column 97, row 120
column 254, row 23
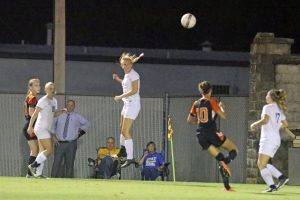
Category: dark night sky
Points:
column 229, row 24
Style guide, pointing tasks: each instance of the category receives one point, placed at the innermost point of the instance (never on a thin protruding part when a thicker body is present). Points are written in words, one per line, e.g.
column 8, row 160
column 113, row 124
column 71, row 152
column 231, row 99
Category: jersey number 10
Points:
column 203, row 115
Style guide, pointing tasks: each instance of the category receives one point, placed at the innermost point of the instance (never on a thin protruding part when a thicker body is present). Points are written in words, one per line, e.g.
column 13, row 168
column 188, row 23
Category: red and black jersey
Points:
column 205, row 111
column 30, row 102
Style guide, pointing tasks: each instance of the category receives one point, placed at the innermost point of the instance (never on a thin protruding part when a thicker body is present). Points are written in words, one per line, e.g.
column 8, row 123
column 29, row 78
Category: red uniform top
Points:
column 30, row 102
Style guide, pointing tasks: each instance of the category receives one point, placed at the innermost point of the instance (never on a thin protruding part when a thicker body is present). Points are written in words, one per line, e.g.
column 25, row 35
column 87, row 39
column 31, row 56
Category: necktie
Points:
column 66, row 126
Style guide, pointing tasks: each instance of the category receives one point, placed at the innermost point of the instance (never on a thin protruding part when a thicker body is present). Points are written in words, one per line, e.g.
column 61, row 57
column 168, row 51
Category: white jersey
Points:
column 270, row 130
column 127, row 86
column 45, row 118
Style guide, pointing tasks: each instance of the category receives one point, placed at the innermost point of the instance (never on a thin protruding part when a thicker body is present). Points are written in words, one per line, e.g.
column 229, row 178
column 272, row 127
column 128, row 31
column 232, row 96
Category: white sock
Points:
column 39, row 169
column 267, row 176
column 275, row 172
column 129, row 148
column 122, row 140
column 41, row 158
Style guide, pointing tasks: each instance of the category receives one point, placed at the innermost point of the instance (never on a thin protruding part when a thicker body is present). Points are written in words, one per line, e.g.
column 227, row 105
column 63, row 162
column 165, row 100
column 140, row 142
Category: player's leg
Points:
column 232, row 149
column 46, row 145
column 126, row 132
column 265, row 172
column 122, row 152
column 34, row 150
column 224, row 170
column 282, row 180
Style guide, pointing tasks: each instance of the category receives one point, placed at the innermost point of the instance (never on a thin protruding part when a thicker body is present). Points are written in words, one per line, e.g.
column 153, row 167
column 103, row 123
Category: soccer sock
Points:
column 267, row 176
column 31, row 160
column 129, row 148
column 220, row 157
column 39, row 169
column 231, row 156
column 39, row 159
column 122, row 140
column 275, row 172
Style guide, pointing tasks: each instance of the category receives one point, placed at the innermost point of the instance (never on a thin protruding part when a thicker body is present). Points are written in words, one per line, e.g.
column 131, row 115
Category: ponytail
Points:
column 279, row 96
column 132, row 57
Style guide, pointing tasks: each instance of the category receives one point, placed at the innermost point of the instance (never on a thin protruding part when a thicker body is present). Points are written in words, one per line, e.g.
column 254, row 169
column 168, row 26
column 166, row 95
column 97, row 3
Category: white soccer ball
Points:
column 188, row 20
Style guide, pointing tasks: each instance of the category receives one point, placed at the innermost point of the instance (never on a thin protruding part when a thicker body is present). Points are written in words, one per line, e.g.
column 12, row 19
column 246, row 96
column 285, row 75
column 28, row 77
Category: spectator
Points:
column 152, row 162
column 68, row 127
column 107, row 160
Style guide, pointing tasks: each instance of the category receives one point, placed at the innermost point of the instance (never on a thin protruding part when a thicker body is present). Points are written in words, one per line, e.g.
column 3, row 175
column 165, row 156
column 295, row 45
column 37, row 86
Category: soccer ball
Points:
column 188, row 20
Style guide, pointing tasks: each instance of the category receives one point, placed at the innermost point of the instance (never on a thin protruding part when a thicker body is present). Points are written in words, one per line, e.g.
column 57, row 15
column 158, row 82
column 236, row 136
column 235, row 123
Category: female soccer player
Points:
column 272, row 119
column 204, row 112
column 132, row 104
column 44, row 113
column 29, row 106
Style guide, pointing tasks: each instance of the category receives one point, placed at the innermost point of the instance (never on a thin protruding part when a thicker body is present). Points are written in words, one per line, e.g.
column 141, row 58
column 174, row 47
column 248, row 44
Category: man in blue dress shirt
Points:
column 67, row 128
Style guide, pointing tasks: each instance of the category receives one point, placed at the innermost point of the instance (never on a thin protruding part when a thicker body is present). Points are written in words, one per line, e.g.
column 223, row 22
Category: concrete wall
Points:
column 95, row 78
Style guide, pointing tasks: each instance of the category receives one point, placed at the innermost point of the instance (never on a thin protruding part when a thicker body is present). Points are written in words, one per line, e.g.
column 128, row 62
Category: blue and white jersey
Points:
column 270, row 130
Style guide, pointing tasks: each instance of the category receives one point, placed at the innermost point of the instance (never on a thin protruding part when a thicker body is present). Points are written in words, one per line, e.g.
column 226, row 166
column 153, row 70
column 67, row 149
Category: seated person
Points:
column 108, row 158
column 152, row 162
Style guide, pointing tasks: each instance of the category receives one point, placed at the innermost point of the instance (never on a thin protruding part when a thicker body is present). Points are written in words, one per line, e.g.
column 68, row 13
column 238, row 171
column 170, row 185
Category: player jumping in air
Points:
column 29, row 106
column 132, row 104
column 44, row 113
column 272, row 119
column 204, row 113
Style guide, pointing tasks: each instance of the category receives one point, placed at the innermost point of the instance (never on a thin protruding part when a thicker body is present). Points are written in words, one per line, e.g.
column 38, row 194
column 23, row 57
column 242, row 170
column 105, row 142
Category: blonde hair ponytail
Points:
column 279, row 96
column 132, row 57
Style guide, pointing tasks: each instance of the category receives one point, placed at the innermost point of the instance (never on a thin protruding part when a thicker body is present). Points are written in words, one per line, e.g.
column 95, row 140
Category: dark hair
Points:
column 204, row 87
column 151, row 142
column 279, row 96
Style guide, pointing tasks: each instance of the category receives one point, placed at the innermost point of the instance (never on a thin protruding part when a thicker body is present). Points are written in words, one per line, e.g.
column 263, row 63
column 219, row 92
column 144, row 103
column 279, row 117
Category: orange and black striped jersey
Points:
column 205, row 111
column 30, row 102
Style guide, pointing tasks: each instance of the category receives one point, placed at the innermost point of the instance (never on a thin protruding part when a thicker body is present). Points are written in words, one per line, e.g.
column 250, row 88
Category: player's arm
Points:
column 192, row 117
column 135, row 87
column 26, row 114
column 117, row 78
column 59, row 112
column 284, row 126
column 221, row 111
column 260, row 122
column 32, row 120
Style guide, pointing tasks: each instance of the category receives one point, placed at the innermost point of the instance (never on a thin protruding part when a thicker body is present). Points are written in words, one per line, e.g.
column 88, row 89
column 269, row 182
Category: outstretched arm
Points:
column 117, row 78
column 221, row 111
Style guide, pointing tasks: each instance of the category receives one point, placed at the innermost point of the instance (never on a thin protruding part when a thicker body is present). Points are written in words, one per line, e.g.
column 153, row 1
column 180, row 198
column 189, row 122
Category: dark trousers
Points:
column 107, row 167
column 150, row 173
column 64, row 157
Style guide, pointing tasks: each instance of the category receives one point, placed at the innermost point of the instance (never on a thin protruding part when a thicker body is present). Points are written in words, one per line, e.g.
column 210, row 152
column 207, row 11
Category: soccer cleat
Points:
column 128, row 162
column 32, row 170
column 224, row 169
column 122, row 153
column 270, row 190
column 282, row 182
column 29, row 176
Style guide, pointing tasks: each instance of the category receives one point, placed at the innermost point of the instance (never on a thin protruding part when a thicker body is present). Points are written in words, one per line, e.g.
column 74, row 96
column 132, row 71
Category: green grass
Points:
column 90, row 189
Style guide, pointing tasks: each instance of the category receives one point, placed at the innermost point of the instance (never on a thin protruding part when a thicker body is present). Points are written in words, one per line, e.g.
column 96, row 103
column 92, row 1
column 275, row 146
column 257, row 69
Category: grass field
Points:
column 88, row 189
